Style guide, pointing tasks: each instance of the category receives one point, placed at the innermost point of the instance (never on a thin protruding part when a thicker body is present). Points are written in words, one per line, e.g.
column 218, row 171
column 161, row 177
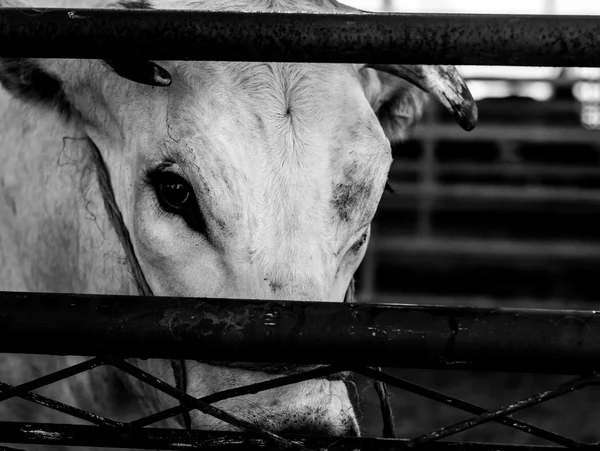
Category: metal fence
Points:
column 560, row 41
column 114, row 328
column 344, row 337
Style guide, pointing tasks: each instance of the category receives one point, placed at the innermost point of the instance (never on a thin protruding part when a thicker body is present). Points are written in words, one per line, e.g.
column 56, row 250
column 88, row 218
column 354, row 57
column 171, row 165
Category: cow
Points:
column 198, row 179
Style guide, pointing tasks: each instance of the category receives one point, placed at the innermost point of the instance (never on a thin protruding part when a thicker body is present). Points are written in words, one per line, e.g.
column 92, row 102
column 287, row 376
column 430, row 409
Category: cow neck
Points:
column 116, row 220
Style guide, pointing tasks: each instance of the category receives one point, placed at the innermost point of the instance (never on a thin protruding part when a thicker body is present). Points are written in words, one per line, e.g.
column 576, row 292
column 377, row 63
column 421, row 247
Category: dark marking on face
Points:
column 275, row 286
column 350, row 193
column 221, row 225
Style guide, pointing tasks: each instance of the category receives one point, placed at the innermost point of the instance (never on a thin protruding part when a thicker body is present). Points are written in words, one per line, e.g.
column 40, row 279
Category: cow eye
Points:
column 175, row 195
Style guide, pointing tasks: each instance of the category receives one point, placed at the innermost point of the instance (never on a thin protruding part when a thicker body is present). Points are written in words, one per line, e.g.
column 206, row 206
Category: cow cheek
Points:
column 175, row 261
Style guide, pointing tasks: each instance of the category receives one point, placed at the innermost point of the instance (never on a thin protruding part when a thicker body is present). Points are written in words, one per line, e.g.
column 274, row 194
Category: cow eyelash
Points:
column 176, row 196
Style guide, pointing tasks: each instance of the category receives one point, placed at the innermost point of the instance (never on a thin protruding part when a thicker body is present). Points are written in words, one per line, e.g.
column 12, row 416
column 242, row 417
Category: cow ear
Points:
column 29, row 81
column 26, row 79
column 39, row 80
column 398, row 104
column 46, row 82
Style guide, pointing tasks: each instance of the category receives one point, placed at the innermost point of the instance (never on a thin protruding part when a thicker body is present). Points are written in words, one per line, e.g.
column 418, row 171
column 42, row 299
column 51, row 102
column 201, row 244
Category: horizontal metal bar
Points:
column 516, row 169
column 489, row 247
column 479, row 191
column 521, row 133
column 301, row 37
column 562, row 341
column 479, row 301
column 557, row 81
column 175, row 439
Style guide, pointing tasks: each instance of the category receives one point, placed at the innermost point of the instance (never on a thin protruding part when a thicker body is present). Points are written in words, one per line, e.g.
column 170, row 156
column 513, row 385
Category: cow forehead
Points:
column 295, row 141
column 294, row 99
column 254, row 5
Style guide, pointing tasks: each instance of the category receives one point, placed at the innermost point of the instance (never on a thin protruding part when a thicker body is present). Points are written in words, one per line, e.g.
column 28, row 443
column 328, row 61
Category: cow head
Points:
column 245, row 180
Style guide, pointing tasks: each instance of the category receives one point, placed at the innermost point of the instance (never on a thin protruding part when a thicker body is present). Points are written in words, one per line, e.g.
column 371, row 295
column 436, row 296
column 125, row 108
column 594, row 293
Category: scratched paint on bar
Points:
column 562, row 342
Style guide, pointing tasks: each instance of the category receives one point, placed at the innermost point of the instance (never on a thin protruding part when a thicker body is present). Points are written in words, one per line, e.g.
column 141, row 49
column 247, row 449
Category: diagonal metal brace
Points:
column 468, row 407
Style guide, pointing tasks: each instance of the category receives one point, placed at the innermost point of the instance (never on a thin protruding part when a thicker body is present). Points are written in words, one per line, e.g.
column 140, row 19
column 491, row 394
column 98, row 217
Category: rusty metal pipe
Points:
column 170, row 439
column 564, row 342
column 301, row 37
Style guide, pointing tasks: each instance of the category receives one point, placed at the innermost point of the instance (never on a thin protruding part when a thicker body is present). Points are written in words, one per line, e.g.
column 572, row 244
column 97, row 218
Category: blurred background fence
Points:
column 507, row 215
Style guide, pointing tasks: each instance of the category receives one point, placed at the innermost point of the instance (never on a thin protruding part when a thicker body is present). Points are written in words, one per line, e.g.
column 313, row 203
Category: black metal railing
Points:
column 547, row 341
column 301, row 37
column 563, row 342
